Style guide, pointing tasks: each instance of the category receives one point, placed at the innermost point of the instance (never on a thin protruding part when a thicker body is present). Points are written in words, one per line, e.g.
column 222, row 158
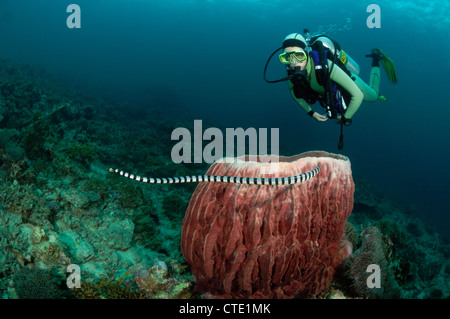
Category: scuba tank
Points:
column 335, row 101
column 334, row 48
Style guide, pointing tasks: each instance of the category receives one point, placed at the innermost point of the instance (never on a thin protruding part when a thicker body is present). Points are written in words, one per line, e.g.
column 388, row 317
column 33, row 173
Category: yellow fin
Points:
column 389, row 67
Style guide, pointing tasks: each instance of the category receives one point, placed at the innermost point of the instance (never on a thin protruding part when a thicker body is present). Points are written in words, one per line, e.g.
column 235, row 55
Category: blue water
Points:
column 207, row 58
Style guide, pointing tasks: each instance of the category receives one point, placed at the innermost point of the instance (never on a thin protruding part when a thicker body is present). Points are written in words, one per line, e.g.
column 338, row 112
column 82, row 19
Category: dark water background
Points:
column 206, row 59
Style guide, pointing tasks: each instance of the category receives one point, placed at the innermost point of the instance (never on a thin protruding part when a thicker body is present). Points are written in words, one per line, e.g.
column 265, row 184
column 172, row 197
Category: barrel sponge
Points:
column 269, row 241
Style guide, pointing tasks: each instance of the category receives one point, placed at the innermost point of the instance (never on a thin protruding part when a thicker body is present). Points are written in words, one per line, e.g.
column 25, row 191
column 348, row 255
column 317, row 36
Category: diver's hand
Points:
column 319, row 117
column 347, row 122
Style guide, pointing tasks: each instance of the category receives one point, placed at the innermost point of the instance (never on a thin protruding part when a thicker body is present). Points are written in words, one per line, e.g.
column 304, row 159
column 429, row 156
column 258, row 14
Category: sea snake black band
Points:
column 224, row 179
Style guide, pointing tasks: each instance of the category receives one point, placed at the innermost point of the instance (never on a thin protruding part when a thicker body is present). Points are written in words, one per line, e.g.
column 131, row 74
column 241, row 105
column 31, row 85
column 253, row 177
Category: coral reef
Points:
column 160, row 283
column 373, row 251
column 36, row 283
column 59, row 206
column 106, row 290
column 411, row 253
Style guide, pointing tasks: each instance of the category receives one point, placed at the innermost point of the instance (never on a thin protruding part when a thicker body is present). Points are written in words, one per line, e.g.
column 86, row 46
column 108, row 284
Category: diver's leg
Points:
column 374, row 81
column 370, row 94
column 379, row 56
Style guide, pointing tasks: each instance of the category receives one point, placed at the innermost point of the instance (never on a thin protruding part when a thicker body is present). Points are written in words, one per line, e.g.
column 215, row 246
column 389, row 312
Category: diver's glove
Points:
column 342, row 119
column 346, row 121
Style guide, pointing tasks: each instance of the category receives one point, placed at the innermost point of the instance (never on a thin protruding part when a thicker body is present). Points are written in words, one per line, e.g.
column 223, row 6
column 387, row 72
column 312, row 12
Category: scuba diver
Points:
column 318, row 70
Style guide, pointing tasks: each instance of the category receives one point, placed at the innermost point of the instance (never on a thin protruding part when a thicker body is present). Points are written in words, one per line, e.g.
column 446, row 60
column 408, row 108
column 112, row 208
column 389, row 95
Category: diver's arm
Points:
column 300, row 102
column 305, row 106
column 341, row 78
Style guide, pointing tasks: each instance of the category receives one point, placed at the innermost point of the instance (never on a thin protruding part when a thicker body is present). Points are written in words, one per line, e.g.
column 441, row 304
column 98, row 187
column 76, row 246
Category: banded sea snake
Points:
column 224, row 179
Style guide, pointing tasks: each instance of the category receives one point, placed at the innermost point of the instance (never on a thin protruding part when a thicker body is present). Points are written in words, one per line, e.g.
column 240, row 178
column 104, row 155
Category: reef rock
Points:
column 269, row 241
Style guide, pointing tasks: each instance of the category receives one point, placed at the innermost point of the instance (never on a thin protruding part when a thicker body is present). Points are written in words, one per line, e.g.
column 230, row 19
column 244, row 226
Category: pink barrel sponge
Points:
column 269, row 241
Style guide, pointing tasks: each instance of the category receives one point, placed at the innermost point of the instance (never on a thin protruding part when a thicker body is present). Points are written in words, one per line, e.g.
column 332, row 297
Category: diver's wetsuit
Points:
column 358, row 89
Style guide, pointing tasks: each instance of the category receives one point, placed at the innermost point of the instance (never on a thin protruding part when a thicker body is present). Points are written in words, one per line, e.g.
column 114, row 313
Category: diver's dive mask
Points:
column 286, row 58
column 292, row 56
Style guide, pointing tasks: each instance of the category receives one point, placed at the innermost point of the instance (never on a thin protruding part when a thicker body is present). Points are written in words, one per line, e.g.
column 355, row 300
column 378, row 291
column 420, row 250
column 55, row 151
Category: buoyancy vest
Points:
column 336, row 99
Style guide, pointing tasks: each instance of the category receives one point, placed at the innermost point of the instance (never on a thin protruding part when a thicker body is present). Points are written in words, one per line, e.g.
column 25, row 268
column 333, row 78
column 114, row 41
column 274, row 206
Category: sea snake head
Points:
column 223, row 179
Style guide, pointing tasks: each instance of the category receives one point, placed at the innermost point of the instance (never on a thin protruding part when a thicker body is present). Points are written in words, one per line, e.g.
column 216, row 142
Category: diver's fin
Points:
column 389, row 67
